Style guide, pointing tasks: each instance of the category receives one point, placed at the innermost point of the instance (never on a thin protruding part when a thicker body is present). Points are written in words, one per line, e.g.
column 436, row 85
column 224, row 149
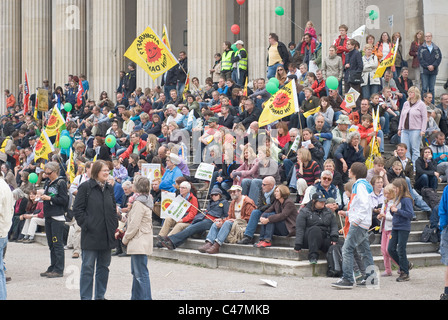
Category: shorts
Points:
column 444, row 246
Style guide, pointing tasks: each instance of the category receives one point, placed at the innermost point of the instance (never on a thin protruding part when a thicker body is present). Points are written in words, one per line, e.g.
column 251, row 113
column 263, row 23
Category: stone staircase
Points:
column 281, row 259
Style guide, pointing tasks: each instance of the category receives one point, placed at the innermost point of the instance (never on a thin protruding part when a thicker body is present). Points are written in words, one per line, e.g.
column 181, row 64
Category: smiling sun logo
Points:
column 281, row 100
column 153, row 52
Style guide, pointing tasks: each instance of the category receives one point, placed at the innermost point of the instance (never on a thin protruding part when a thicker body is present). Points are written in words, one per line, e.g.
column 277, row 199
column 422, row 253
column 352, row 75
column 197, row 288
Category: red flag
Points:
column 26, row 93
column 80, row 93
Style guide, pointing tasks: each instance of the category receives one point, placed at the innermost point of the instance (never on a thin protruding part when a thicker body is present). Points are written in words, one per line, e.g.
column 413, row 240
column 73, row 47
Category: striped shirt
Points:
column 311, row 172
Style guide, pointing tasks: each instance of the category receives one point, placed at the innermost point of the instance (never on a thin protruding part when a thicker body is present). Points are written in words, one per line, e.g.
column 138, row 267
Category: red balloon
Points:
column 235, row 29
column 240, row 2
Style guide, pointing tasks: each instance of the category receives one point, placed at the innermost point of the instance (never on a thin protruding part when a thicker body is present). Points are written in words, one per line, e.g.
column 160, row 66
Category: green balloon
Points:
column 111, row 141
column 275, row 82
column 272, row 88
column 65, row 142
column 373, row 15
column 234, row 48
column 332, row 83
column 68, row 107
column 32, row 178
column 279, row 11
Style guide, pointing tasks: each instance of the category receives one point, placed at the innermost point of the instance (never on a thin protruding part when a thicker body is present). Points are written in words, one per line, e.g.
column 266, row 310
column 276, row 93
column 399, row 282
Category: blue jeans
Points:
column 253, row 223
column 271, row 229
column 272, row 70
column 191, row 230
column 141, row 286
column 219, row 235
column 3, row 243
column 412, row 139
column 428, row 84
column 385, row 122
column 251, row 187
column 397, row 249
column 102, row 260
column 418, row 200
column 224, row 185
column 357, row 239
column 425, row 181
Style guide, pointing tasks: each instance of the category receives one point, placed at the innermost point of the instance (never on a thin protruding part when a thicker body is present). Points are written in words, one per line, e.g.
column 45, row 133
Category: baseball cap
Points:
column 318, row 196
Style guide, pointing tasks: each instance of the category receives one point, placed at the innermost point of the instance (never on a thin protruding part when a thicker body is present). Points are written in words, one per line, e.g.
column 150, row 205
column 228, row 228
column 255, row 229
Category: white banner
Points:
column 167, row 200
column 178, row 208
column 151, row 171
column 205, row 172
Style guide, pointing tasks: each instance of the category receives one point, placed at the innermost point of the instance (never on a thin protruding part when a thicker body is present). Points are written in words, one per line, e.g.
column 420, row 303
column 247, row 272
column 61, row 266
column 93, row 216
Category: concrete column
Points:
column 262, row 21
column 153, row 13
column 435, row 21
column 206, row 34
column 69, row 39
column 36, row 41
column 10, row 52
column 107, row 48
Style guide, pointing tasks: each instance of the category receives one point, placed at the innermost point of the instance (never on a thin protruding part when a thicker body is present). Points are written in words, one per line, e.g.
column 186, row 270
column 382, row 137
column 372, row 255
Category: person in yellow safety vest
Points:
column 240, row 58
column 226, row 64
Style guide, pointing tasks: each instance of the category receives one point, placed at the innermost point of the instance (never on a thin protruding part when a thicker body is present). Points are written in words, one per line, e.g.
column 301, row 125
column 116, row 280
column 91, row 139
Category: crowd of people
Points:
column 321, row 158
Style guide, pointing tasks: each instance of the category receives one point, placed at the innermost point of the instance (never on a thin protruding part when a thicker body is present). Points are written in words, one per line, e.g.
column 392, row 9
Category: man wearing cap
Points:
column 171, row 174
column 240, row 208
column 316, row 228
column 217, row 210
column 239, row 73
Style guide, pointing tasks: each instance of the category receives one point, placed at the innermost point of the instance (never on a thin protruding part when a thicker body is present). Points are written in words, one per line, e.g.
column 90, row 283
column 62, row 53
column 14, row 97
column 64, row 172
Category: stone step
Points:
column 272, row 266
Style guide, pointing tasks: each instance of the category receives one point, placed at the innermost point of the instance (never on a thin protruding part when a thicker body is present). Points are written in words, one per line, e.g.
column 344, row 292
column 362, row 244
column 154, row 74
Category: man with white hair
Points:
column 328, row 189
column 172, row 114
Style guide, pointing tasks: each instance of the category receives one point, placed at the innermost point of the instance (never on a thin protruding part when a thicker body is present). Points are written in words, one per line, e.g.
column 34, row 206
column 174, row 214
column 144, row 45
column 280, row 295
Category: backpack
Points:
column 334, row 261
column 431, row 197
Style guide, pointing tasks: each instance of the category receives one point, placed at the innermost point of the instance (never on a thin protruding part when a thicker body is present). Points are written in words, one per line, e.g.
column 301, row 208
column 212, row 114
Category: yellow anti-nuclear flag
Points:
column 165, row 38
column 71, row 167
column 388, row 62
column 55, row 122
column 151, row 54
column 282, row 104
column 43, row 147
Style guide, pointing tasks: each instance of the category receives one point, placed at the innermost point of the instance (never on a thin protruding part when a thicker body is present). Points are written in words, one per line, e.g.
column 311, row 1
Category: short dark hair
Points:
column 359, row 170
column 274, row 36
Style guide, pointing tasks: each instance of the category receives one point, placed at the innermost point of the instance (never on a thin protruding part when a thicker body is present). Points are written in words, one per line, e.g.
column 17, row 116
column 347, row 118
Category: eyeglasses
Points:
column 48, row 173
column 327, row 179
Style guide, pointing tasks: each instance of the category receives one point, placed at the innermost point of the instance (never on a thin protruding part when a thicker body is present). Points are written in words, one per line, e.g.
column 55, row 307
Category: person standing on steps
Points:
column 6, row 214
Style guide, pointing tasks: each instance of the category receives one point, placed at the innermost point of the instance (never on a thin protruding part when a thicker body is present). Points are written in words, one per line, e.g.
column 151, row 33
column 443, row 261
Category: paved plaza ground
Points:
column 174, row 281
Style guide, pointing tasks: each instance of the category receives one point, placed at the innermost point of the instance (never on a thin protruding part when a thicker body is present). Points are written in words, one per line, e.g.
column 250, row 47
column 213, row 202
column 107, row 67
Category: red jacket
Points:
column 130, row 150
column 318, row 87
column 342, row 49
column 363, row 131
column 192, row 211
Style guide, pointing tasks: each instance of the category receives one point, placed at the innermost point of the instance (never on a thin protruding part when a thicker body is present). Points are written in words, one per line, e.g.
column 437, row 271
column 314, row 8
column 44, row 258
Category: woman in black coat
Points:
column 426, row 175
column 95, row 212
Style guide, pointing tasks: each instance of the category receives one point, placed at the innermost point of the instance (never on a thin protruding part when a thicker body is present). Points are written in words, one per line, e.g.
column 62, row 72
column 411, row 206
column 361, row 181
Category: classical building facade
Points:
column 50, row 39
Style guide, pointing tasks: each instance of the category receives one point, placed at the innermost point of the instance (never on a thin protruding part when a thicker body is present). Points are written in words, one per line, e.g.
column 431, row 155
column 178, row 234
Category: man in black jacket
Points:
column 249, row 115
column 182, row 73
column 276, row 48
column 55, row 198
column 353, row 67
column 169, row 80
column 226, row 119
column 130, row 80
column 265, row 200
column 316, row 228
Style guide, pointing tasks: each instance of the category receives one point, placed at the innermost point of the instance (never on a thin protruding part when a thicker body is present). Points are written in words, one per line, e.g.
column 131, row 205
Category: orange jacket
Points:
column 10, row 101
